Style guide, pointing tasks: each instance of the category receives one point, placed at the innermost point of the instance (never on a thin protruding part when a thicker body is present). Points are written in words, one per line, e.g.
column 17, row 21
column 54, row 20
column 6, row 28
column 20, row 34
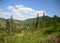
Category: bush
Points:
column 48, row 31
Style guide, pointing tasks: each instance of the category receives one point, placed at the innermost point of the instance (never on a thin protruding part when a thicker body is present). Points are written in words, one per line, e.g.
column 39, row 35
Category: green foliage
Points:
column 33, row 30
column 48, row 31
column 50, row 41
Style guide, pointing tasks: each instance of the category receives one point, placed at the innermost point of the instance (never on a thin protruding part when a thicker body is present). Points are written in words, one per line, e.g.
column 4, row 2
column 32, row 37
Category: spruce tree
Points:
column 43, row 20
column 7, row 26
column 55, row 18
column 37, row 22
column 11, row 24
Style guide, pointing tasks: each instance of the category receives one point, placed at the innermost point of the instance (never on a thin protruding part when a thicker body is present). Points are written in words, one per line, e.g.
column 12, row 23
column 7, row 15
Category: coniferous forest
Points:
column 44, row 29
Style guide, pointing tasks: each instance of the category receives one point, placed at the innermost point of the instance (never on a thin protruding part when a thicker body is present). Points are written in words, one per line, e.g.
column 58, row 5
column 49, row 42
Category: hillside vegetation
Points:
column 43, row 29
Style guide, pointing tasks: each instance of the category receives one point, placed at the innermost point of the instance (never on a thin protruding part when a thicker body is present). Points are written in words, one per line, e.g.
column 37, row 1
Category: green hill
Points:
column 43, row 29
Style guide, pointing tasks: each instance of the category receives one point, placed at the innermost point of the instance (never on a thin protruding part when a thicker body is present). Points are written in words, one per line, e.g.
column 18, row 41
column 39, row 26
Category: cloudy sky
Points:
column 25, row 9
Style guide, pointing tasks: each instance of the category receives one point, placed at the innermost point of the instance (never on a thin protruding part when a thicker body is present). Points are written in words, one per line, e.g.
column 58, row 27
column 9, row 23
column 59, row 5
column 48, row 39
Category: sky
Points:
column 25, row 9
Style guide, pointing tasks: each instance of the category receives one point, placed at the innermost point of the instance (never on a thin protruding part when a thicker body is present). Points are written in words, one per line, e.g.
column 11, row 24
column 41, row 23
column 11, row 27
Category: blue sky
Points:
column 51, row 7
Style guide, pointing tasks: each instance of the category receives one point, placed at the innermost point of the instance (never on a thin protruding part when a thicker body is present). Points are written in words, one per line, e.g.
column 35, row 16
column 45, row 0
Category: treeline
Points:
column 11, row 26
column 44, row 22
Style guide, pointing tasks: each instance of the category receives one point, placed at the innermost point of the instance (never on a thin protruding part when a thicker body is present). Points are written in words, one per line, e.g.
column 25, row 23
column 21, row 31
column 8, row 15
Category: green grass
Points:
column 29, row 37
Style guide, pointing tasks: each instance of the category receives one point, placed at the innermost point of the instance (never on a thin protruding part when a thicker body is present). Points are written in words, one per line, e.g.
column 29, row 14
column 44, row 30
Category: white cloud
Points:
column 19, row 17
column 0, row 10
column 21, row 12
column 10, row 7
column 19, row 6
column 4, row 14
column 40, row 13
column 23, row 9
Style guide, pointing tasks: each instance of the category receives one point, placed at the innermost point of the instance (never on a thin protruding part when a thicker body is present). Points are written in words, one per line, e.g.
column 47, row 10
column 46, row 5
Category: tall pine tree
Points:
column 7, row 26
column 37, row 22
column 55, row 18
column 43, row 20
column 11, row 24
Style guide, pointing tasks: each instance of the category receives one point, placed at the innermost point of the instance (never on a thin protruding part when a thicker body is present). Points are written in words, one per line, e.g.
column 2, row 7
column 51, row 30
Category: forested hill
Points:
column 31, row 20
column 42, row 19
column 43, row 29
column 40, row 22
